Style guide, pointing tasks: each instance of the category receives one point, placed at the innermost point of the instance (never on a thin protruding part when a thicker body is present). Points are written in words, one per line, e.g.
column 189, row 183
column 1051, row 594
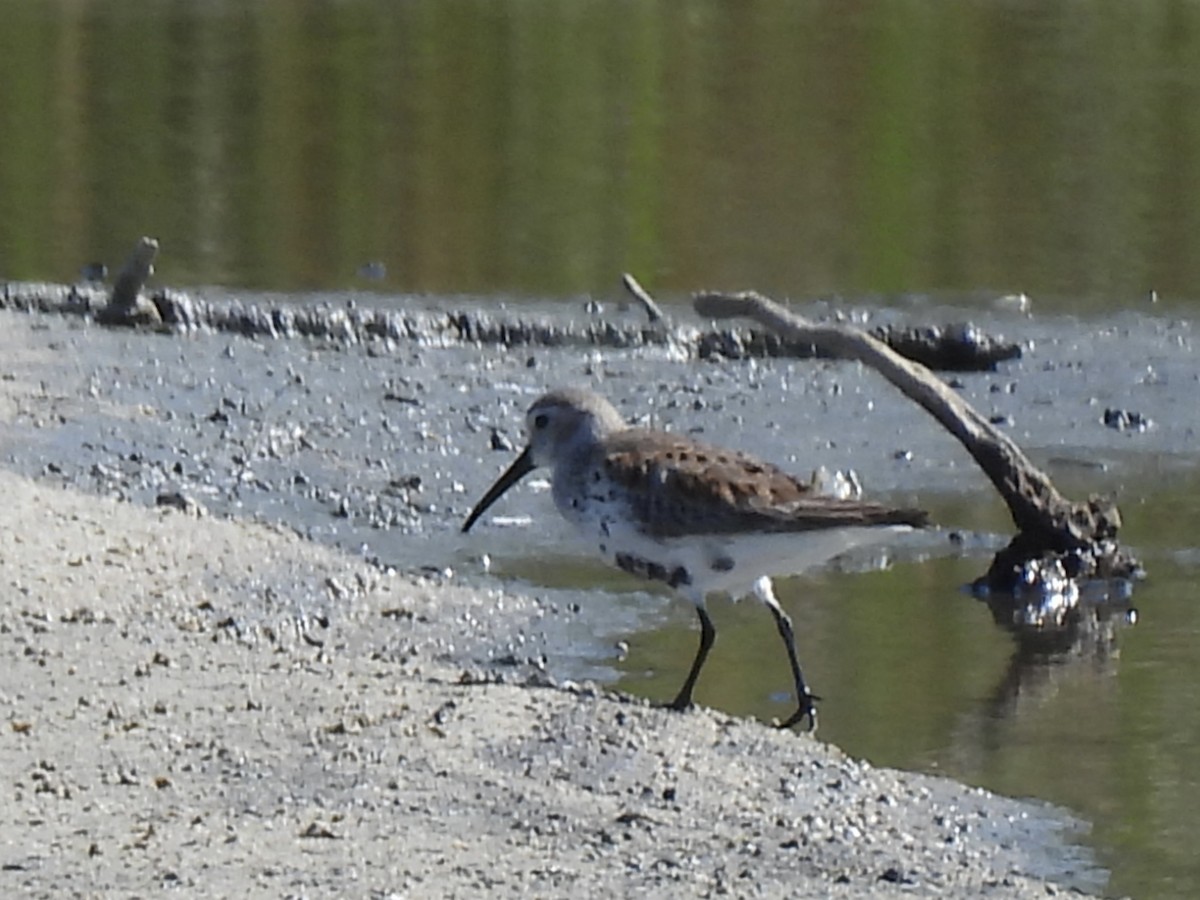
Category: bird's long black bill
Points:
column 521, row 467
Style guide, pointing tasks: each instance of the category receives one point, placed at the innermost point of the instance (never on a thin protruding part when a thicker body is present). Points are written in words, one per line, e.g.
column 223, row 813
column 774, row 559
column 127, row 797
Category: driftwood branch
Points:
column 1046, row 521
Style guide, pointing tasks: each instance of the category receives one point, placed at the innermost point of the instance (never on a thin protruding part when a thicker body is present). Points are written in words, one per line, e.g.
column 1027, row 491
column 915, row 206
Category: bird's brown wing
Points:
column 678, row 486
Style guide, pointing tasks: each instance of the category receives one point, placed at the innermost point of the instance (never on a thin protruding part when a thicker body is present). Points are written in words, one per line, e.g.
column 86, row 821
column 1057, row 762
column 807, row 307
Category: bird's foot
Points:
column 806, row 709
column 682, row 703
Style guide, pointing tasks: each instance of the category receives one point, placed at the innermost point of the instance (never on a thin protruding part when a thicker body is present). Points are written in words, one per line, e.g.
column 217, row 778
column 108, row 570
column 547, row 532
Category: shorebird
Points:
column 698, row 518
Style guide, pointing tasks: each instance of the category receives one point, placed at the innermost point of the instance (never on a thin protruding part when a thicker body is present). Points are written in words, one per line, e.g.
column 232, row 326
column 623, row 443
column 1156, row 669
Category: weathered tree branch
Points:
column 1046, row 521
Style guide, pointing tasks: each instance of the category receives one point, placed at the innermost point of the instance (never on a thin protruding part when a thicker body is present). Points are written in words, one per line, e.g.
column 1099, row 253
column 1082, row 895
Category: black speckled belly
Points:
column 645, row 568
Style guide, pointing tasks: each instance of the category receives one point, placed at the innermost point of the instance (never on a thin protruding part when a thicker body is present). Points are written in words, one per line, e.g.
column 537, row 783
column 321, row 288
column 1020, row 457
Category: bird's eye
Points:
column 541, row 421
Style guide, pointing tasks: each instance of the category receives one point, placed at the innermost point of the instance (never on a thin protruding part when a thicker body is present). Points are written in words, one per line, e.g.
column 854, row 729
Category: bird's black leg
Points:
column 805, row 699
column 708, row 634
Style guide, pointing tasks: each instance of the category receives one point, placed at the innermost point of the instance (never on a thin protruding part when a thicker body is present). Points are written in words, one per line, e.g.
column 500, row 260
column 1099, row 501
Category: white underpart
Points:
column 753, row 555
column 758, row 555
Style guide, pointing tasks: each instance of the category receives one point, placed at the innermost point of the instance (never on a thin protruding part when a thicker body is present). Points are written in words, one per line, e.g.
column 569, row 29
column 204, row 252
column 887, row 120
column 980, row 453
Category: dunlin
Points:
column 698, row 518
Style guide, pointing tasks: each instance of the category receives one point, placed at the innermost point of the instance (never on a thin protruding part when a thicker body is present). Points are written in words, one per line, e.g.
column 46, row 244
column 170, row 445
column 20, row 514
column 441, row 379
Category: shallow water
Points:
column 540, row 149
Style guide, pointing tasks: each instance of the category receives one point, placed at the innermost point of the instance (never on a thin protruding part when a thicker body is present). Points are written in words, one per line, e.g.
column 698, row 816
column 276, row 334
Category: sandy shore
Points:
column 156, row 738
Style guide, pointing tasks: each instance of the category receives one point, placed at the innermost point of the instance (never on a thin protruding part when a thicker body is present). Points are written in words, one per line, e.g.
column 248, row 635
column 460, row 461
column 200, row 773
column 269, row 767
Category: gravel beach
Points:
column 159, row 736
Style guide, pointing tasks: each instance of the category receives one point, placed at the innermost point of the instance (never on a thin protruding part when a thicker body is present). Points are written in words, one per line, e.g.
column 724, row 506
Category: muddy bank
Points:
column 229, row 706
column 617, row 325
column 151, row 745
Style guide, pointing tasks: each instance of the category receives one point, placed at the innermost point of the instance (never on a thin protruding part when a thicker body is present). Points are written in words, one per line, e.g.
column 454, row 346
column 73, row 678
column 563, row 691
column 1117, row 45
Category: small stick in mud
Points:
column 1047, row 522
column 126, row 304
column 653, row 312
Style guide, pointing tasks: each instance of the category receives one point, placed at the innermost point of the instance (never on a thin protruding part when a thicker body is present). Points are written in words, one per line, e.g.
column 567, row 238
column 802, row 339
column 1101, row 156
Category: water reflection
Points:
column 799, row 148
column 1086, row 633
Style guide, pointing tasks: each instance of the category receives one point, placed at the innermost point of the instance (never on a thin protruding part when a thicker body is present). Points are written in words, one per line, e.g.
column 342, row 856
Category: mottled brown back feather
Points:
column 683, row 487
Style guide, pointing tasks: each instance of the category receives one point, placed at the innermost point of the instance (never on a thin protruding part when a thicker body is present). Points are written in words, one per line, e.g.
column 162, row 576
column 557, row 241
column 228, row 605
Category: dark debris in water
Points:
column 1052, row 602
column 948, row 348
column 1126, row 420
column 953, row 348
